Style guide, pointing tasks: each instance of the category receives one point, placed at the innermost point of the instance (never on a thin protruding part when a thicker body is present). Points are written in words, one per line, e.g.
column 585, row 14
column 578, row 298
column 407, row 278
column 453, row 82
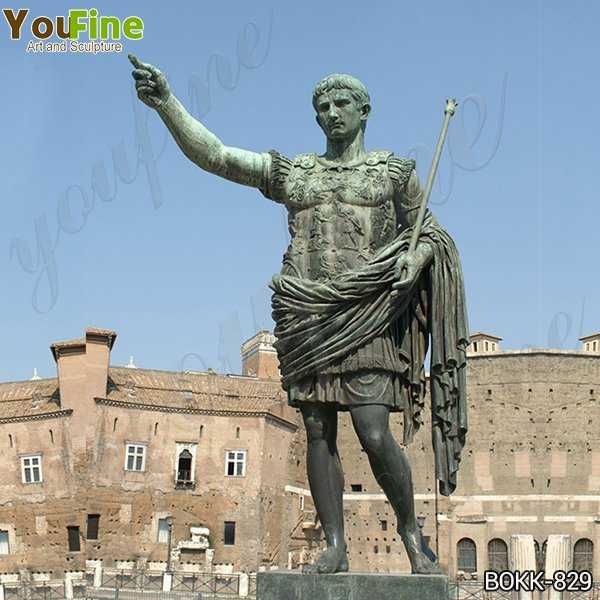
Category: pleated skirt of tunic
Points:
column 373, row 374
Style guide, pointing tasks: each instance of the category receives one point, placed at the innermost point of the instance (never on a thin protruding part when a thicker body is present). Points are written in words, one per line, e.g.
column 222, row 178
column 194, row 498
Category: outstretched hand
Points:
column 151, row 85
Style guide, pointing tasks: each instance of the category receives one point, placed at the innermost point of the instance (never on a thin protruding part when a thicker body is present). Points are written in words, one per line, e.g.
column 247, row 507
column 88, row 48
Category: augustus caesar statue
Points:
column 354, row 308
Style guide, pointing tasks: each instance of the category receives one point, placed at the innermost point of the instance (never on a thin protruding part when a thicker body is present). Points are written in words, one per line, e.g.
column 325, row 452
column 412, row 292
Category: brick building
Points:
column 531, row 465
column 120, row 464
column 98, row 459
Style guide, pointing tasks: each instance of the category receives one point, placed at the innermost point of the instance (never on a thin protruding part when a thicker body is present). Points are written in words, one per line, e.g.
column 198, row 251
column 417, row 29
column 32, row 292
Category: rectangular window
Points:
column 73, row 533
column 93, row 523
column 4, row 547
column 135, row 457
column 356, row 487
column 383, row 525
column 162, row 536
column 229, row 533
column 31, row 468
column 235, row 463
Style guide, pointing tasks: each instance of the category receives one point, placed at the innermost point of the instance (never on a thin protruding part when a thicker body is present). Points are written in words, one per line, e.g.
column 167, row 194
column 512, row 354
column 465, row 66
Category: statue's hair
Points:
column 339, row 81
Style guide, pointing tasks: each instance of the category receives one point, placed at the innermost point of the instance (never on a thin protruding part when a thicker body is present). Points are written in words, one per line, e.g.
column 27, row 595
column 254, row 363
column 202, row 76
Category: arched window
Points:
column 583, row 555
column 184, row 466
column 466, row 556
column 497, row 555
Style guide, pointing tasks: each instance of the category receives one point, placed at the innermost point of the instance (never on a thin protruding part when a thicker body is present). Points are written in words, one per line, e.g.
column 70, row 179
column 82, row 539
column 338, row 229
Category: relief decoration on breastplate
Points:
column 338, row 215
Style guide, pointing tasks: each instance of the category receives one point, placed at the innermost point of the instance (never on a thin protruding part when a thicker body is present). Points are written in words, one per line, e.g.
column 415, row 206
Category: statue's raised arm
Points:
column 199, row 144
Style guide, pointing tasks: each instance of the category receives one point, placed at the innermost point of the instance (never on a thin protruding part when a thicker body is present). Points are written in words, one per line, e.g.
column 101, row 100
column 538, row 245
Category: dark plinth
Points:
column 293, row 585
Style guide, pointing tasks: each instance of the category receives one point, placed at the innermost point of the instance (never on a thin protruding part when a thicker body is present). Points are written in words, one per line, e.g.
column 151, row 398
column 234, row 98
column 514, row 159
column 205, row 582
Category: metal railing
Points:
column 131, row 580
column 209, row 584
column 143, row 585
column 474, row 590
column 252, row 586
column 593, row 594
column 116, row 594
column 132, row 584
column 34, row 592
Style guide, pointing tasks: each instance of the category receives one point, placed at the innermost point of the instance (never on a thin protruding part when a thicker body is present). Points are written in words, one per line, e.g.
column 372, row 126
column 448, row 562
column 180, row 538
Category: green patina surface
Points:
column 369, row 283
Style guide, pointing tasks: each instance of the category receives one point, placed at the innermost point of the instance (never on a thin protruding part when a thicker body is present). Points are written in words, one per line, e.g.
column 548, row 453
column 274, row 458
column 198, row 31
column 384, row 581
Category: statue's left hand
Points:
column 409, row 266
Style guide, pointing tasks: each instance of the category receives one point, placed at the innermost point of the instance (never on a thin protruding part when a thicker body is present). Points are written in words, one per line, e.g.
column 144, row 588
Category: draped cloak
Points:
column 320, row 322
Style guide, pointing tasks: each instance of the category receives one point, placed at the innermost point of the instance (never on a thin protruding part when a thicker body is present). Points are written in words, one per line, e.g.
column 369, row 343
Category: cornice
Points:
column 51, row 415
column 197, row 411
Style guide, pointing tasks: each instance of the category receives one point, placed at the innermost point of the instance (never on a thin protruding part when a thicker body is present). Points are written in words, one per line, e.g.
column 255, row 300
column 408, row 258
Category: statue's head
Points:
column 342, row 104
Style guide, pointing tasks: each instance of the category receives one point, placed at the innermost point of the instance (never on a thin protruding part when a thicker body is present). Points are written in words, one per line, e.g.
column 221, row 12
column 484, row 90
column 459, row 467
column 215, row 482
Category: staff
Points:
column 416, row 232
column 448, row 113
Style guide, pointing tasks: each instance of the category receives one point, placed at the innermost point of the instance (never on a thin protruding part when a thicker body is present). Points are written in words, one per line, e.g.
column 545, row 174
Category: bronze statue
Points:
column 355, row 305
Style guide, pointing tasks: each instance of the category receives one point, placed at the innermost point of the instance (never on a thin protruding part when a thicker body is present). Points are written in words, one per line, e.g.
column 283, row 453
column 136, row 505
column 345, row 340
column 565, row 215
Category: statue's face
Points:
column 339, row 115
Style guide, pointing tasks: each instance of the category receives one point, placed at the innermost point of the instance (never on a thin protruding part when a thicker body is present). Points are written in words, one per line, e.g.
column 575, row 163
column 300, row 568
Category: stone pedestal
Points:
column 558, row 558
column 294, row 585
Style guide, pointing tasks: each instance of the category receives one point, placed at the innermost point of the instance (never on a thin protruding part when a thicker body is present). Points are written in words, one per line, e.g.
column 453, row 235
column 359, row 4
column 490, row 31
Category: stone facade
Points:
column 125, row 449
column 109, row 441
column 531, row 464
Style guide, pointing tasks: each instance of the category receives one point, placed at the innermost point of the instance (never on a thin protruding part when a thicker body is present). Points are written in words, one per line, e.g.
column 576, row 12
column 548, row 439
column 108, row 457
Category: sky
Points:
column 106, row 224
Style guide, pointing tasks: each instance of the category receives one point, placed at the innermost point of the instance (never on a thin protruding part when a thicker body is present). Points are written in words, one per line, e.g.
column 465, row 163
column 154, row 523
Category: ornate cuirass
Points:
column 338, row 216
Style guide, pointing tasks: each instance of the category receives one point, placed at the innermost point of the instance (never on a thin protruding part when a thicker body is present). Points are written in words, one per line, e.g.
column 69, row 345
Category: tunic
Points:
column 339, row 216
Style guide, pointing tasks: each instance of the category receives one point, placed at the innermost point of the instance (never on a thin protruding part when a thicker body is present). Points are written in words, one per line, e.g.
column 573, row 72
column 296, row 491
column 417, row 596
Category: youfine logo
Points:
column 84, row 29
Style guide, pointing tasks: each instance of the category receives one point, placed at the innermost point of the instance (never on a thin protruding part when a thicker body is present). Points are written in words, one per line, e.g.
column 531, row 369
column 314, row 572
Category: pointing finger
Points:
column 138, row 64
column 134, row 60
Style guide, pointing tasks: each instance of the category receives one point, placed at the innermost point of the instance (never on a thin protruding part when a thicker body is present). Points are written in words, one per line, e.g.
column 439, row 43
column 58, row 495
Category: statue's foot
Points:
column 332, row 560
column 422, row 560
column 423, row 565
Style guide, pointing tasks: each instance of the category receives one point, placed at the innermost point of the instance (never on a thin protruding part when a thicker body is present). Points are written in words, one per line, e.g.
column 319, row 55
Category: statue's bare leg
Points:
column 326, row 480
column 392, row 471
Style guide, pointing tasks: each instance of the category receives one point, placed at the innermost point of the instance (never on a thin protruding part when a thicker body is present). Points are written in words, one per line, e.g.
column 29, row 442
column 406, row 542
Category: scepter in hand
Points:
column 449, row 111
